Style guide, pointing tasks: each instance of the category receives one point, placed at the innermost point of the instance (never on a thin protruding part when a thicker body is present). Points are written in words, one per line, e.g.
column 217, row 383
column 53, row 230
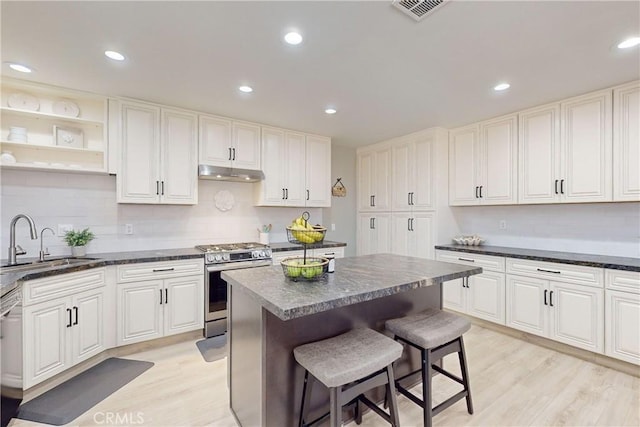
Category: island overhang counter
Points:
column 270, row 315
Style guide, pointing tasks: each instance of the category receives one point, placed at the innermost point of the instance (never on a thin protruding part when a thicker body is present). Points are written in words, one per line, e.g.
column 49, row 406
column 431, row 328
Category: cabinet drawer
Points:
column 487, row 262
column 589, row 276
column 276, row 257
column 620, row 280
column 159, row 270
column 48, row 288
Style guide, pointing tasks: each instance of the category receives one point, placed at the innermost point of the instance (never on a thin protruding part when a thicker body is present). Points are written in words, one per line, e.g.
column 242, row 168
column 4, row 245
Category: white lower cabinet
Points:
column 64, row 331
column 482, row 295
column 374, row 233
column 338, row 252
column 412, row 234
column 565, row 312
column 165, row 305
column 622, row 315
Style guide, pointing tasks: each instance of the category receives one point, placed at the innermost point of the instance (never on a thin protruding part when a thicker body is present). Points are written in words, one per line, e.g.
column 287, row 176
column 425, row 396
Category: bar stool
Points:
column 435, row 333
column 349, row 364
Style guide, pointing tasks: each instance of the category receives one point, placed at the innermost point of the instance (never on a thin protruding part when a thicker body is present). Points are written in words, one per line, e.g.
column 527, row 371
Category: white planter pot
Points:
column 78, row 251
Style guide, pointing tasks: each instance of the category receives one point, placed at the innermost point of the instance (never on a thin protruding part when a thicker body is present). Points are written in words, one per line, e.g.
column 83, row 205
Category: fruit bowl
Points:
column 295, row 269
column 305, row 236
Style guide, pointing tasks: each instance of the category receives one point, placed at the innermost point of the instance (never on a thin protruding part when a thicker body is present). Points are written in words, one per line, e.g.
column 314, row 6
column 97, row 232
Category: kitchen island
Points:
column 271, row 315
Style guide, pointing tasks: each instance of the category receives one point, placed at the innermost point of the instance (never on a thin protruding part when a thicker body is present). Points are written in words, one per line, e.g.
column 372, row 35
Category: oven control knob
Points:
column 217, row 257
column 209, row 257
column 262, row 254
column 226, row 257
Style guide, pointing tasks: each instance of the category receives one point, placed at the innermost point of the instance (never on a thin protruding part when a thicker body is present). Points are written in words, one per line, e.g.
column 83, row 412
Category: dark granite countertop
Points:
column 10, row 280
column 356, row 279
column 286, row 246
column 589, row 260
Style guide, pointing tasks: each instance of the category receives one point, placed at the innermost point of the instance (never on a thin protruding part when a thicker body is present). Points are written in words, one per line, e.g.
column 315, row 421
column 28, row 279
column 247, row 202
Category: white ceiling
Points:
column 386, row 74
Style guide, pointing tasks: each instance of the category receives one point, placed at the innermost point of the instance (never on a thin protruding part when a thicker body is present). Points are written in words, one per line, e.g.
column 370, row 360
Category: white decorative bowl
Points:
column 474, row 240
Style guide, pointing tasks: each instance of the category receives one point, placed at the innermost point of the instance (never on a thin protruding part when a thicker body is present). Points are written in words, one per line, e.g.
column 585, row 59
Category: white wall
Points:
column 90, row 201
column 598, row 228
column 342, row 212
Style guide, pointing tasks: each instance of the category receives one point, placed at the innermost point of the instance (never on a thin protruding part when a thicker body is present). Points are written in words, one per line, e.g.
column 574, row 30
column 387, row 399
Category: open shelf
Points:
column 56, row 117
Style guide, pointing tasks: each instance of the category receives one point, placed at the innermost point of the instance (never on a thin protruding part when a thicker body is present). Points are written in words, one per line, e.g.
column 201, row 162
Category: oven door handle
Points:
column 238, row 265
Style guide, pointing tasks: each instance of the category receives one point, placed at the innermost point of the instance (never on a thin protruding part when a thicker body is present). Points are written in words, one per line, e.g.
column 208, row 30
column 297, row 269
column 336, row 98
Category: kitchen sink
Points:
column 55, row 262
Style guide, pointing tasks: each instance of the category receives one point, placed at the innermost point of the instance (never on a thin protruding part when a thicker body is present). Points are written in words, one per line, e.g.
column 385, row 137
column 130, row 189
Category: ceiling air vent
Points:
column 418, row 9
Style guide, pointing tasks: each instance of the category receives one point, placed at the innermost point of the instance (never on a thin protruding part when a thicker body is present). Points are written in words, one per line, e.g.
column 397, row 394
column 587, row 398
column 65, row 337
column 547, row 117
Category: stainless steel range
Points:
column 217, row 259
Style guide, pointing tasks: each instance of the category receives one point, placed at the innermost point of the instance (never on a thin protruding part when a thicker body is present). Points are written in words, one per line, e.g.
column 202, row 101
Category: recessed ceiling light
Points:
column 630, row 42
column 245, row 89
column 502, row 86
column 293, row 38
column 20, row 67
column 116, row 56
column 330, row 111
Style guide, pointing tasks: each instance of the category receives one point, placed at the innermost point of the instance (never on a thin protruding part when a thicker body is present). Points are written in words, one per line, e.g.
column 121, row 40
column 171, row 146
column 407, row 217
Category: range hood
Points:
column 221, row 173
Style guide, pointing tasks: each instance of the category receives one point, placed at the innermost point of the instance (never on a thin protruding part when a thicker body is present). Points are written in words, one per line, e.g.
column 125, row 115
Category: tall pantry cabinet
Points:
column 396, row 198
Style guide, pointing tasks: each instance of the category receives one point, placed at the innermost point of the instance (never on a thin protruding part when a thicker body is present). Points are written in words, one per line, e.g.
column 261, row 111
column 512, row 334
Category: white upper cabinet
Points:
column 297, row 169
column 412, row 172
column 229, row 143
column 464, row 147
column 626, row 142
column 374, row 179
column 318, row 172
column 483, row 163
column 158, row 154
column 586, row 148
column 539, row 154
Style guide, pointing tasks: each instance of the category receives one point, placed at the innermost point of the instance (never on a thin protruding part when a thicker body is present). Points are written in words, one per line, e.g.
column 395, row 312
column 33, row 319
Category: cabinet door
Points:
column 421, row 236
column 401, row 241
column 88, row 330
column 577, row 315
column 139, row 176
column 402, row 171
column 215, row 141
column 179, row 159
column 183, row 304
column 294, row 183
column 382, row 233
column 366, row 165
column 485, row 296
column 498, row 177
column 46, row 340
column 587, row 148
column 366, row 236
column 626, row 143
column 139, row 311
column 318, row 172
column 463, row 160
column 539, row 154
column 622, row 325
column 382, row 180
column 274, row 165
column 422, row 173
column 526, row 309
column 246, row 146
column 454, row 295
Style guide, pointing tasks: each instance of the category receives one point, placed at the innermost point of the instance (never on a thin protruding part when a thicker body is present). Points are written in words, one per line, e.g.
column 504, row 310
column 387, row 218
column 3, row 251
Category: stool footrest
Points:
column 375, row 408
column 450, row 401
column 447, row 374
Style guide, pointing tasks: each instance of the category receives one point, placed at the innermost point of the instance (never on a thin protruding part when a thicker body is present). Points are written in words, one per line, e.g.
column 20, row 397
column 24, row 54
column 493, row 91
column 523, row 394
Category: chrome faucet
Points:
column 44, row 252
column 14, row 249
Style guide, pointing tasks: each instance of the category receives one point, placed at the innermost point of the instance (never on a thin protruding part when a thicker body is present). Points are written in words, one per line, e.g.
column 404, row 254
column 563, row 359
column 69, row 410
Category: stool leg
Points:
column 358, row 414
column 306, row 396
column 426, row 387
column 465, row 375
column 391, row 393
column 336, row 408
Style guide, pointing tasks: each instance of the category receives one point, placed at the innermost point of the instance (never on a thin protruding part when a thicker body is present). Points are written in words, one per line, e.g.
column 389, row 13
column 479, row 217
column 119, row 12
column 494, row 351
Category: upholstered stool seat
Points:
column 350, row 364
column 435, row 334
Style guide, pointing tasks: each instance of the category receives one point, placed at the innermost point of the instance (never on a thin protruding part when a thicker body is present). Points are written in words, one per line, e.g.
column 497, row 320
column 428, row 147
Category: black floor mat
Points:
column 74, row 397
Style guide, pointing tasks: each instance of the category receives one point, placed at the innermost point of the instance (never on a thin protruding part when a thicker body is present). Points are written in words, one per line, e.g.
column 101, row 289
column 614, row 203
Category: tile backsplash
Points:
column 90, row 201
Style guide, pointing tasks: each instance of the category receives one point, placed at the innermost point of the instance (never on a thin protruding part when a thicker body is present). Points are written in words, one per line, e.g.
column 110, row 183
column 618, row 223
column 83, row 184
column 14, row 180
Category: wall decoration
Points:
column 338, row 189
column 68, row 137
column 224, row 200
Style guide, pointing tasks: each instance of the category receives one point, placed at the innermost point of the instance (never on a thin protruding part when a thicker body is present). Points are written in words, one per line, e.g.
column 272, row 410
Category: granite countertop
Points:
column 286, row 246
column 589, row 260
column 11, row 280
column 356, row 279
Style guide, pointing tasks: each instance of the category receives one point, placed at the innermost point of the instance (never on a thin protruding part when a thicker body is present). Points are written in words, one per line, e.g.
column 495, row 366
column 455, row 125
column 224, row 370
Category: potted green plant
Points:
column 78, row 241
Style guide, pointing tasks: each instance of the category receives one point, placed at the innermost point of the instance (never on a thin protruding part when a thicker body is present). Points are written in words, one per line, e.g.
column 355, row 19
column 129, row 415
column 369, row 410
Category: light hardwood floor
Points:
column 513, row 383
